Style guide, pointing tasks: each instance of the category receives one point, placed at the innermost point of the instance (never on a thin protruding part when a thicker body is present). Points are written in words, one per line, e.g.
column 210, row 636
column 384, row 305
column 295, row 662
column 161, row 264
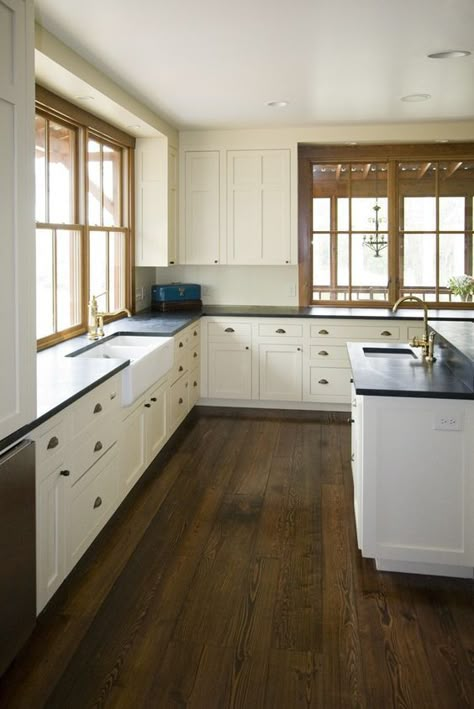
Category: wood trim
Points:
column 52, row 103
column 305, row 255
column 383, row 153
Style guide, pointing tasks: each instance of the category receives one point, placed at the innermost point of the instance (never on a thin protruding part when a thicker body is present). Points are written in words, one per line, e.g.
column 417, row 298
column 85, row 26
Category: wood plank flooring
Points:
column 231, row 578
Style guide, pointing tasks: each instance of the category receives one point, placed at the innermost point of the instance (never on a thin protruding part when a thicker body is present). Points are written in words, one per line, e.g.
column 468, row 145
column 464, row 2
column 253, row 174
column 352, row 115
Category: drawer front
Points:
column 329, row 354
column 330, row 384
column 178, row 402
column 194, row 388
column 51, row 441
column 280, row 330
column 180, row 343
column 92, row 503
column 194, row 359
column 94, row 407
column 180, row 366
column 356, row 332
column 229, row 331
column 194, row 334
column 92, row 448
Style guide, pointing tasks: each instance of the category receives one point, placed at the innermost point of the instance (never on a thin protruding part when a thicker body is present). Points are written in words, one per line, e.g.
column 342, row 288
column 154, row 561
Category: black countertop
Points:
column 279, row 311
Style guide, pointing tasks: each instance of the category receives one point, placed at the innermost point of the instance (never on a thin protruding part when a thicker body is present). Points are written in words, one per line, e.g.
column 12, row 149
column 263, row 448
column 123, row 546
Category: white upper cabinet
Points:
column 17, row 244
column 156, row 202
column 258, row 207
column 202, row 214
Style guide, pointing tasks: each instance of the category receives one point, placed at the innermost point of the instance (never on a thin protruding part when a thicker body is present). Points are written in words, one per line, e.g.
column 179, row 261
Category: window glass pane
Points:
column 98, row 267
column 111, row 186
column 117, row 270
column 40, row 168
column 451, row 213
column 343, row 259
column 321, row 214
column 44, row 283
column 451, row 257
column 61, row 174
column 343, row 213
column 94, row 195
column 419, row 260
column 419, row 213
column 321, row 260
column 367, row 268
column 68, row 256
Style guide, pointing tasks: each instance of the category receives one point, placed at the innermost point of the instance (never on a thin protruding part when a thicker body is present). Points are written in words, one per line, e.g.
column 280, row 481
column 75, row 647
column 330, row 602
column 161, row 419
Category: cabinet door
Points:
column 202, row 207
column 280, row 372
column 17, row 247
column 258, row 194
column 152, row 202
column 156, row 421
column 51, row 550
column 132, row 447
column 229, row 371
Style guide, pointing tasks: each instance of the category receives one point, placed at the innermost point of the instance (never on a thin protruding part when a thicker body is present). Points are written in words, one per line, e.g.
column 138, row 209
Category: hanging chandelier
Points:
column 376, row 242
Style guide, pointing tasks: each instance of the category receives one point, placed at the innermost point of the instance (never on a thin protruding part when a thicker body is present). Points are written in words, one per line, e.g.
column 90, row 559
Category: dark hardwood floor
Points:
column 231, row 578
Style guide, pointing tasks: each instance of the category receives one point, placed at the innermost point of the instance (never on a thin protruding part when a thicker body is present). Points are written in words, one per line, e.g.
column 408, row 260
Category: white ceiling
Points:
column 215, row 63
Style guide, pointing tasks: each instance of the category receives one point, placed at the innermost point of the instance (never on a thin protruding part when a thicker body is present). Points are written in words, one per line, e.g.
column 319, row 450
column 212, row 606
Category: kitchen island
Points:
column 412, row 454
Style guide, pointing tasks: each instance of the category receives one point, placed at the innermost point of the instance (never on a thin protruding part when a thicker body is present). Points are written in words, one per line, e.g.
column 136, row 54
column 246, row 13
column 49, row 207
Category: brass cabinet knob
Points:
column 113, row 394
column 147, row 406
column 298, row 349
column 195, row 355
column 153, row 398
column 323, row 332
column 180, row 368
column 229, row 329
column 180, row 401
column 349, row 420
column 65, row 473
column 195, row 384
column 97, row 408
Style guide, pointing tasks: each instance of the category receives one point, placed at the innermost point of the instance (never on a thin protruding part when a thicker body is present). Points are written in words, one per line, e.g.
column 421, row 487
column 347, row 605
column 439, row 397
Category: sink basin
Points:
column 389, row 352
column 150, row 359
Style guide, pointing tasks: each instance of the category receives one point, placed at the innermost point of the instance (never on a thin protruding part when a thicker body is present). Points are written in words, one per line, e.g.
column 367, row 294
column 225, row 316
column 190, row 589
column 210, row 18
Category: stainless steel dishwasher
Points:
column 17, row 549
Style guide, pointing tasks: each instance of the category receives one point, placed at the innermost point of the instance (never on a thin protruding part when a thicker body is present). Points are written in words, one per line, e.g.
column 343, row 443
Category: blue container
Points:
column 176, row 296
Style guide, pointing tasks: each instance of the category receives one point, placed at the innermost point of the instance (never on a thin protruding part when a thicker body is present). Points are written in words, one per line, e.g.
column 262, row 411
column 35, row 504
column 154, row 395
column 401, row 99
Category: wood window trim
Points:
column 309, row 154
column 55, row 108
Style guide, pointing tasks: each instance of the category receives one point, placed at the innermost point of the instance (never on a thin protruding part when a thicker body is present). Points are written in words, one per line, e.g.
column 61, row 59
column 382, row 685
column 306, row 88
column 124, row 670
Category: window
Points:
column 387, row 224
column 83, row 235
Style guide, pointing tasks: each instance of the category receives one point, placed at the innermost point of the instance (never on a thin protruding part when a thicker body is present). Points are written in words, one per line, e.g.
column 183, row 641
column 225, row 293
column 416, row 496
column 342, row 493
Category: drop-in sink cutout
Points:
column 389, row 352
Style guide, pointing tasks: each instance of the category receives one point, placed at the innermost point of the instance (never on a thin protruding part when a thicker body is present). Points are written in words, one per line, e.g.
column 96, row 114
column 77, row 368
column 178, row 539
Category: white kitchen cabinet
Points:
column 132, row 445
column 156, row 202
column 156, row 406
column 356, row 420
column 17, row 243
column 280, row 370
column 202, row 210
column 417, row 484
column 229, row 370
column 258, row 207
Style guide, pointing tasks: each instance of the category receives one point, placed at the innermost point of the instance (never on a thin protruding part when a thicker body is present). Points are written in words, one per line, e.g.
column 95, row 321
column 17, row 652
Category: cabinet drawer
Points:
column 194, row 334
column 92, row 448
column 329, row 354
column 95, row 406
column 194, row 388
column 326, row 383
column 92, row 502
column 180, row 343
column 280, row 330
column 229, row 331
column 356, row 332
column 194, row 359
column 51, row 440
column 178, row 402
column 179, row 367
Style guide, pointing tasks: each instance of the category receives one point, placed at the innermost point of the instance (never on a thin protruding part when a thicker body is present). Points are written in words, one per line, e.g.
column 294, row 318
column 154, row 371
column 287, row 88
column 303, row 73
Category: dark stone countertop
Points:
column 280, row 311
column 411, row 377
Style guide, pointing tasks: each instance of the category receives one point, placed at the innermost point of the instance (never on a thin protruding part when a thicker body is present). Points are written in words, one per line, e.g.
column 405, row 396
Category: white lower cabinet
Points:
column 414, row 487
column 51, row 543
column 229, row 370
column 132, row 445
column 280, row 372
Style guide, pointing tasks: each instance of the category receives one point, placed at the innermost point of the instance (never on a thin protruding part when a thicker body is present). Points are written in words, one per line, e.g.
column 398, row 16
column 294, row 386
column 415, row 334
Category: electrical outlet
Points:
column 448, row 422
column 291, row 290
column 139, row 294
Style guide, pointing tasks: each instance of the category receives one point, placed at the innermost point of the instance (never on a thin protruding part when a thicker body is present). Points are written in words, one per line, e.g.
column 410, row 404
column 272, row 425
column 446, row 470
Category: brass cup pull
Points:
column 53, row 442
column 281, row 331
column 229, row 329
column 113, row 394
column 97, row 408
column 195, row 355
column 65, row 473
column 147, row 406
column 98, row 447
column 323, row 353
column 195, row 384
column 195, row 333
column 180, row 344
column 323, row 381
column 386, row 333
column 153, row 398
column 323, row 332
column 98, row 502
column 180, row 368
column 180, row 401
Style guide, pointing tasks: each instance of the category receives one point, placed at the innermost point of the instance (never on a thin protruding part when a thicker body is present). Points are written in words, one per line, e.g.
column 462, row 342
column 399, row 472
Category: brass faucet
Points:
column 96, row 318
column 427, row 341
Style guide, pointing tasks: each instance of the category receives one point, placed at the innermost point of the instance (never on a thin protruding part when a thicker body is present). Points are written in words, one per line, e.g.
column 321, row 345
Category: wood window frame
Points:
column 392, row 154
column 56, row 108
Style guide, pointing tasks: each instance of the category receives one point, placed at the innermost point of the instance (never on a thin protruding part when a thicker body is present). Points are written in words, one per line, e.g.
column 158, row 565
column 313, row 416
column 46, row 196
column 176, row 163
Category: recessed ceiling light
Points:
column 352, row 142
column 442, row 140
column 415, row 98
column 451, row 54
column 135, row 126
column 277, row 104
column 84, row 98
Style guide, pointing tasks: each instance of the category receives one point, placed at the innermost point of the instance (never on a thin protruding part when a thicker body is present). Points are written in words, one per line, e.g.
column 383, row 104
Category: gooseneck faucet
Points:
column 427, row 341
column 96, row 318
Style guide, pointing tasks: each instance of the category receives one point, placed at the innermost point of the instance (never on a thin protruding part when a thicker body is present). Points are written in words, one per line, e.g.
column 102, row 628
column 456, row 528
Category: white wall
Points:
column 238, row 285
